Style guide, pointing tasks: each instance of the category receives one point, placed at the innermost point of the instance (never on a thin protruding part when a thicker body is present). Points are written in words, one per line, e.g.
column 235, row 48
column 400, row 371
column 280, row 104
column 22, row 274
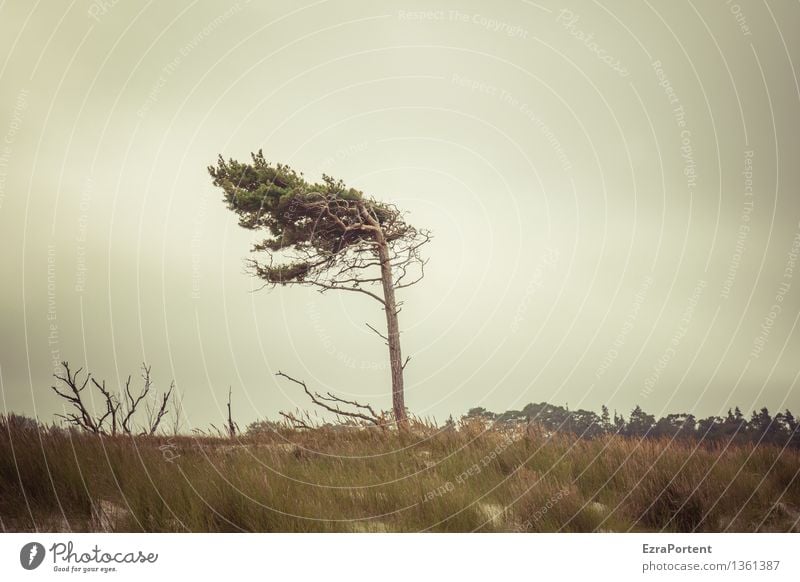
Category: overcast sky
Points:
column 612, row 187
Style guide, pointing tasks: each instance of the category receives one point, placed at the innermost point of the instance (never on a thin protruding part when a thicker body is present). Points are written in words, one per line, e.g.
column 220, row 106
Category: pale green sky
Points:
column 582, row 167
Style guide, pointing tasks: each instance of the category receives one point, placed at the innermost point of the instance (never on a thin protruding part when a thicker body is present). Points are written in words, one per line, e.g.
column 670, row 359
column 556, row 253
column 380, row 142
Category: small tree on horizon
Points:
column 328, row 236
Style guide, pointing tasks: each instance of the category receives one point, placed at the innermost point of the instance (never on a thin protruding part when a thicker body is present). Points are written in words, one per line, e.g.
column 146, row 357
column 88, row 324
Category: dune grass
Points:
column 461, row 479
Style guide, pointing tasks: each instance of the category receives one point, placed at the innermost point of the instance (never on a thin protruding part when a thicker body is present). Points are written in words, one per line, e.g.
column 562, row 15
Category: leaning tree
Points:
column 331, row 237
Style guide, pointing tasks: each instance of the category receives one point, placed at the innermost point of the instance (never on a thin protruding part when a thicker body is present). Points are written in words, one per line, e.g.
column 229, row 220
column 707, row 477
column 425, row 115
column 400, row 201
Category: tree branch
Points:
column 84, row 418
column 377, row 332
column 317, row 399
column 326, row 287
column 162, row 409
column 231, row 424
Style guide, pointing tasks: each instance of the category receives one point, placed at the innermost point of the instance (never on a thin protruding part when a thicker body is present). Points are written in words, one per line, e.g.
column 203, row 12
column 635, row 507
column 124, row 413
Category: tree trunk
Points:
column 393, row 335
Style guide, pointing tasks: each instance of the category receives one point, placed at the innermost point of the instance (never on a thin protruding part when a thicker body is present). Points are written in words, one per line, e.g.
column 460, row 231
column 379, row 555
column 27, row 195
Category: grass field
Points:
column 465, row 478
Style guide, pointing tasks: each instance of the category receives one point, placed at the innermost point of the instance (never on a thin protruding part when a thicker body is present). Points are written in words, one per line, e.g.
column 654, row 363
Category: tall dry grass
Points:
column 459, row 479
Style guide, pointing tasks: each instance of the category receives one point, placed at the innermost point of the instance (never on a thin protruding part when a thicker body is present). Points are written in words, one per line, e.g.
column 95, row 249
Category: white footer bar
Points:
column 388, row 557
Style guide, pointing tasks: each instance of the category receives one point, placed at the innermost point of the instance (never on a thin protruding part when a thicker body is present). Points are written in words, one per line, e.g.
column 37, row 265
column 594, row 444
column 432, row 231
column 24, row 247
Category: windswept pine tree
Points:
column 331, row 237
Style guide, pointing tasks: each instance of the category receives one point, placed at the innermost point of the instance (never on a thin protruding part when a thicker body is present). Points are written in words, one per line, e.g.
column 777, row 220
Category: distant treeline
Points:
column 761, row 427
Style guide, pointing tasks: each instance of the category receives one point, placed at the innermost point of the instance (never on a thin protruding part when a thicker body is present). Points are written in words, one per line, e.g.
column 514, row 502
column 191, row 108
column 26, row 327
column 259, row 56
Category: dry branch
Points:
column 118, row 415
column 231, row 424
column 319, row 400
